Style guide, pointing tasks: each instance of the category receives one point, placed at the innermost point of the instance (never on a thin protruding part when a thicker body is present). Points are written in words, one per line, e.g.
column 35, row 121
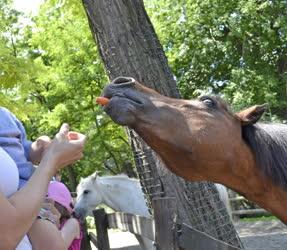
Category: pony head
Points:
column 88, row 196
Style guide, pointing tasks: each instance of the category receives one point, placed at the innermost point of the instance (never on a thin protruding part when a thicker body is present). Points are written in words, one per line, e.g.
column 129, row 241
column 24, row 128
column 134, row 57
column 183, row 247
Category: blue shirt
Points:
column 13, row 140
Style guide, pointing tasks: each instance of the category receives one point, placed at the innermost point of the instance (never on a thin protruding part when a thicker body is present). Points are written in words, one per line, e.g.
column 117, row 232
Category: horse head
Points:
column 195, row 138
column 201, row 139
column 88, row 196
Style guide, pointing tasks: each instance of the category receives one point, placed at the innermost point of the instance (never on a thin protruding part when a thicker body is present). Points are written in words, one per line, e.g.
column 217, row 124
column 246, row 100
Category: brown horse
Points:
column 203, row 140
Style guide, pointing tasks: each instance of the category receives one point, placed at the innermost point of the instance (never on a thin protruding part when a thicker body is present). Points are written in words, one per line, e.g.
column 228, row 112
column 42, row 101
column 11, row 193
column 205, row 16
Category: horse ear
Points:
column 251, row 115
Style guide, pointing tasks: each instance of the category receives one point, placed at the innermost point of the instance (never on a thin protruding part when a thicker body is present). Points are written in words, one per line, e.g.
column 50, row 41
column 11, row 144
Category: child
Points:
column 70, row 227
column 69, row 231
column 13, row 140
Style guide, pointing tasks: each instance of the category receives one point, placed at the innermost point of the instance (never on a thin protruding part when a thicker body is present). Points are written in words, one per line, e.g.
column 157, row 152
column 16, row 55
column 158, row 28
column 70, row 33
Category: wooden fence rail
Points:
column 163, row 229
column 254, row 211
column 234, row 200
column 132, row 223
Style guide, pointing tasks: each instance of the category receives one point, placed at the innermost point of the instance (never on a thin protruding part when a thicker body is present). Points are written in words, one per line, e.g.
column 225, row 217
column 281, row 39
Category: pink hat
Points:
column 58, row 192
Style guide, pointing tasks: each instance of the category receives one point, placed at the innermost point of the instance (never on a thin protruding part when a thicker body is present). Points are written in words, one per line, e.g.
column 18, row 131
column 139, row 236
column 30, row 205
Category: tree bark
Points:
column 129, row 46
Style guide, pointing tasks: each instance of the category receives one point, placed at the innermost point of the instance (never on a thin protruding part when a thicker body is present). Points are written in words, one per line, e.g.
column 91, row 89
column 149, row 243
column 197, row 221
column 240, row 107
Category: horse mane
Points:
column 269, row 145
column 118, row 177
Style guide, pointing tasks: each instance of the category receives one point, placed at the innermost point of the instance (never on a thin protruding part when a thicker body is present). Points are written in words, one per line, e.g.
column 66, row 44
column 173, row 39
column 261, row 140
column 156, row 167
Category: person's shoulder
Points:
column 5, row 110
column 7, row 113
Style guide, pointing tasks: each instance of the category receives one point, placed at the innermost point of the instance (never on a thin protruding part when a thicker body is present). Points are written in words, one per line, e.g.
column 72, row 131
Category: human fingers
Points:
column 55, row 212
column 56, row 218
column 63, row 132
column 52, row 214
column 43, row 142
column 64, row 128
column 47, row 206
column 48, row 203
column 44, row 138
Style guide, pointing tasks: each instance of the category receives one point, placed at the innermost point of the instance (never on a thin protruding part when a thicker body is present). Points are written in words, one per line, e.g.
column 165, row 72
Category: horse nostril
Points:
column 122, row 81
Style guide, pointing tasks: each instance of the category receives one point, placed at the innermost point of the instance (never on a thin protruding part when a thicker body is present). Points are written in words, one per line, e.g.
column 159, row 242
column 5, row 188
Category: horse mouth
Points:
column 123, row 88
column 122, row 96
column 123, row 93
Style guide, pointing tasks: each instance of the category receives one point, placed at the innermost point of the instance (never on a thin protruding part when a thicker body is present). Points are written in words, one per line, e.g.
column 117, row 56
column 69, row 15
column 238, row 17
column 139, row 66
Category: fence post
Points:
column 165, row 223
column 85, row 244
column 101, row 222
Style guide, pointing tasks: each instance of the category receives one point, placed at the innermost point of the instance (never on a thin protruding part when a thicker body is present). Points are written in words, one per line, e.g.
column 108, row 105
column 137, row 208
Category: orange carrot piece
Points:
column 102, row 100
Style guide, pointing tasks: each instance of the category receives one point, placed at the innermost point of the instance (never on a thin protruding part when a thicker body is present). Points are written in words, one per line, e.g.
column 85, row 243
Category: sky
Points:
column 27, row 6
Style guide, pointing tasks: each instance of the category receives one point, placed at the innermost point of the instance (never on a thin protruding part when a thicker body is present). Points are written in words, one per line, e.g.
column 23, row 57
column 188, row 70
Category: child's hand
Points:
column 38, row 148
column 49, row 212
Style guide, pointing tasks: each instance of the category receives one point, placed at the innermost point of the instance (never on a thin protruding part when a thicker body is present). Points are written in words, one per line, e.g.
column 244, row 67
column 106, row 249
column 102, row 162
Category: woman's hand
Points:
column 66, row 148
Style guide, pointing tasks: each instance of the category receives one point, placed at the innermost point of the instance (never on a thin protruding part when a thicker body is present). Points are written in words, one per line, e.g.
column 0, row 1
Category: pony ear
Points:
column 95, row 175
column 251, row 115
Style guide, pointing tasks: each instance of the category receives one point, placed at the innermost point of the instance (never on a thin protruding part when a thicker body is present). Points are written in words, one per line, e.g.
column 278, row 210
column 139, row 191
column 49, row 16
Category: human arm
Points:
column 20, row 210
column 70, row 231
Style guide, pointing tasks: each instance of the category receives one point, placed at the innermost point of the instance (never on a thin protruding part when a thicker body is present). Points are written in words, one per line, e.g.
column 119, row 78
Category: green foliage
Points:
column 234, row 48
column 66, row 91
column 16, row 71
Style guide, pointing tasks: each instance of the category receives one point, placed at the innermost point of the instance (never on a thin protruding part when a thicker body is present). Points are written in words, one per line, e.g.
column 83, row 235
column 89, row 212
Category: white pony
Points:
column 223, row 195
column 119, row 192
column 122, row 194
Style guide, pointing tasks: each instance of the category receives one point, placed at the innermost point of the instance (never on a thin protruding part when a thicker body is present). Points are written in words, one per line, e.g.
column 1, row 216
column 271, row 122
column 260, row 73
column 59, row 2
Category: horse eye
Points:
column 208, row 102
column 86, row 191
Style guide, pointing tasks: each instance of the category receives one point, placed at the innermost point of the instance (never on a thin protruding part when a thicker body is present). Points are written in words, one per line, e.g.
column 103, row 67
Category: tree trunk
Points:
column 129, row 46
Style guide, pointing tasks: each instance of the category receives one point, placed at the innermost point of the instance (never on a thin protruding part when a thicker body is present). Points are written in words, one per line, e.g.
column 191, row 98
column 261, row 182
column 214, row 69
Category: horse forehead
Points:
column 86, row 183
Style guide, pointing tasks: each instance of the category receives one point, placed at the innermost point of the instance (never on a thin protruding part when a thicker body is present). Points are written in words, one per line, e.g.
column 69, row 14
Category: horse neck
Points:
column 116, row 192
column 246, row 178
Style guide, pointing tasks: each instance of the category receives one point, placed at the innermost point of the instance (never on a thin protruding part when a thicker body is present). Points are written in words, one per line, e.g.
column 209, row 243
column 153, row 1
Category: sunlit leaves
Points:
column 235, row 48
column 74, row 76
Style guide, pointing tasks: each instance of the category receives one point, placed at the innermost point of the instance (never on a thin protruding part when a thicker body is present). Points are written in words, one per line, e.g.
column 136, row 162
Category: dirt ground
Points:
column 122, row 241
column 259, row 235
column 263, row 235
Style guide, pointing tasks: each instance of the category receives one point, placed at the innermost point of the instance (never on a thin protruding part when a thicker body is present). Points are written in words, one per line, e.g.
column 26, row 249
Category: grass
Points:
column 259, row 218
